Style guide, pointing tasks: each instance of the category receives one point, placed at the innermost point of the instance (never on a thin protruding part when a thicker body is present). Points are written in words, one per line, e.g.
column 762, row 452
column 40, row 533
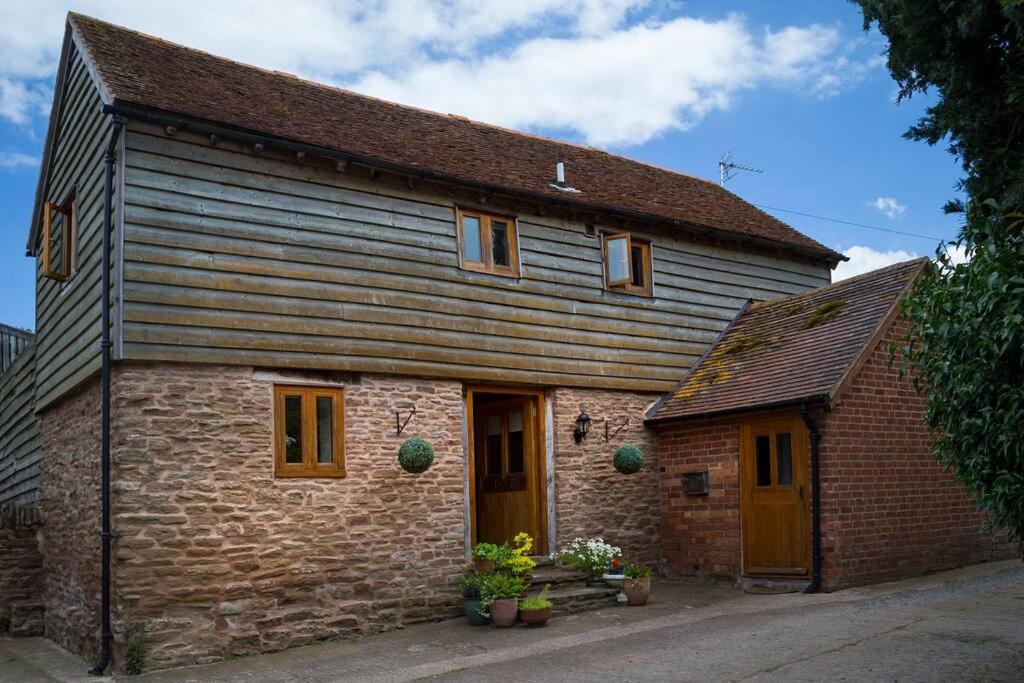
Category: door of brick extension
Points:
column 775, row 497
column 509, row 492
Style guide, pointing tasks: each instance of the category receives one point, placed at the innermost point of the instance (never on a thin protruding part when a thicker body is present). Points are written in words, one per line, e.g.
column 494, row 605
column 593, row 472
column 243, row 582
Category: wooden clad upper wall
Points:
column 68, row 314
column 20, row 443
column 234, row 257
column 12, row 342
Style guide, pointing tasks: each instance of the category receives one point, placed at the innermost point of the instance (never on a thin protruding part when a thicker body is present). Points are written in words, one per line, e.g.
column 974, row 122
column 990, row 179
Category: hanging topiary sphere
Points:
column 628, row 459
column 415, row 455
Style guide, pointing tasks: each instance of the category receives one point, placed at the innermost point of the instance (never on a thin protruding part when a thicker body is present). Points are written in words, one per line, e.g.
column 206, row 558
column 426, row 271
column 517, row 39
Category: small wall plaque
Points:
column 695, row 483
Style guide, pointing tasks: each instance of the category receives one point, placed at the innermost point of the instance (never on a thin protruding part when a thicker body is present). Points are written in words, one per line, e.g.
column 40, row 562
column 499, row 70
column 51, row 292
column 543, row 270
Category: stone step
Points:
column 573, row 599
column 556, row 576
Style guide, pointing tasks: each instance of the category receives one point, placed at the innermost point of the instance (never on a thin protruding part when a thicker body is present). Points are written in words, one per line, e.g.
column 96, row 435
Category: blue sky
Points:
column 797, row 88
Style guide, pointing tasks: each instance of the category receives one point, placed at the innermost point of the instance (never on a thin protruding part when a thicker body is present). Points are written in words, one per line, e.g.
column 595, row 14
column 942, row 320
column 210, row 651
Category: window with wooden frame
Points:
column 59, row 239
column 309, row 432
column 488, row 243
column 627, row 264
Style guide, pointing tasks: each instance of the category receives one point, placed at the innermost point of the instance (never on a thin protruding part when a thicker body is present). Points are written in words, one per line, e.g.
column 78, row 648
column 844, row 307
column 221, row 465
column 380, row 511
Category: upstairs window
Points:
column 627, row 264
column 488, row 243
column 309, row 433
column 59, row 239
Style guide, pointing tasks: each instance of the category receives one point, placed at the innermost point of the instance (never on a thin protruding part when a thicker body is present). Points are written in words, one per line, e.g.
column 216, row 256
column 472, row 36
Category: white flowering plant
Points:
column 590, row 556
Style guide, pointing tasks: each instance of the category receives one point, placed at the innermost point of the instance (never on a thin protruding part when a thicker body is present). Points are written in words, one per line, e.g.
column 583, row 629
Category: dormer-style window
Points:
column 59, row 225
column 488, row 243
column 627, row 264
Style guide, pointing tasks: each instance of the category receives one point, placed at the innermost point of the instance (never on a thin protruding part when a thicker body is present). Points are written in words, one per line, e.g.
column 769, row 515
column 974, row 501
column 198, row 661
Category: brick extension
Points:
column 888, row 509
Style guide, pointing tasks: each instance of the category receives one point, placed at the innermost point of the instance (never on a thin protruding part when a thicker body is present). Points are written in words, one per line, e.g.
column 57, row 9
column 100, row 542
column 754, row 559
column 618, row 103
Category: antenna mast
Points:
column 727, row 168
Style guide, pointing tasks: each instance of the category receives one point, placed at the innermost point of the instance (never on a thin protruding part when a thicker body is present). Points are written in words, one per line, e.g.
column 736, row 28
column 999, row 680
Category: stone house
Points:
column 252, row 289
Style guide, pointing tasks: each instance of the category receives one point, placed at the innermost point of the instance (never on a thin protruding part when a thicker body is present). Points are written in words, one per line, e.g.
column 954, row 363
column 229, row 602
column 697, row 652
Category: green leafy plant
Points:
column 470, row 586
column 537, row 603
column 636, row 571
column 494, row 587
column 135, row 644
column 415, row 456
column 592, row 556
column 487, row 551
column 628, row 459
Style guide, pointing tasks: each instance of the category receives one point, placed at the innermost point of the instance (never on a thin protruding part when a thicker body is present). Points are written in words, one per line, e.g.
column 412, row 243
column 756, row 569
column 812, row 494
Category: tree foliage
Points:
column 965, row 346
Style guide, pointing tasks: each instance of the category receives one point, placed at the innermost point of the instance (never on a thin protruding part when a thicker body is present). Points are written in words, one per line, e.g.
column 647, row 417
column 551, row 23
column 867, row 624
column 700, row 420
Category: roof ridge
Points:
column 335, row 88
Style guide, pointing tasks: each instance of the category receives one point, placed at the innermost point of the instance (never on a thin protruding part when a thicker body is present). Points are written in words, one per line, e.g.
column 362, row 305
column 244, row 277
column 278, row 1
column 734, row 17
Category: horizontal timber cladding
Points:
column 19, row 431
column 68, row 314
column 261, row 259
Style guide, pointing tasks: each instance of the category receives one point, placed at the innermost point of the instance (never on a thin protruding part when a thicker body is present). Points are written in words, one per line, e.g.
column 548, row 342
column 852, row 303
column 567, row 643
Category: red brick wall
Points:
column 888, row 509
column 700, row 534
column 592, row 497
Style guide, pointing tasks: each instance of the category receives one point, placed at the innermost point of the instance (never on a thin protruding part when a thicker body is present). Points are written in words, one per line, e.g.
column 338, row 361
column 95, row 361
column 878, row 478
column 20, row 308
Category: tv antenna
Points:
column 727, row 168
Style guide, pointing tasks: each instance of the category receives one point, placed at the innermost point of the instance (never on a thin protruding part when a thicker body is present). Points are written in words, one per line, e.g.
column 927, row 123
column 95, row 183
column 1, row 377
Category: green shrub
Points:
column 487, row 551
column 538, row 603
column 494, row 587
column 636, row 571
column 470, row 586
column 416, row 456
column 135, row 644
column 628, row 459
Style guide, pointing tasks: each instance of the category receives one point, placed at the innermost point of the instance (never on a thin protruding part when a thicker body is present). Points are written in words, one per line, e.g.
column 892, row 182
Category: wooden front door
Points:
column 508, row 468
column 775, row 497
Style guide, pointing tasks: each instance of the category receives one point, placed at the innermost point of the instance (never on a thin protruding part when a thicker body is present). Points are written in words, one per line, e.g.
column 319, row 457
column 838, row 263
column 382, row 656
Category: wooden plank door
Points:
column 507, row 469
column 775, row 497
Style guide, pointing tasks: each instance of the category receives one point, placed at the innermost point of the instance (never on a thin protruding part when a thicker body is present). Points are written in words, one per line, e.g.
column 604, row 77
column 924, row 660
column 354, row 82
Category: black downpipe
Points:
column 106, row 633
column 812, row 427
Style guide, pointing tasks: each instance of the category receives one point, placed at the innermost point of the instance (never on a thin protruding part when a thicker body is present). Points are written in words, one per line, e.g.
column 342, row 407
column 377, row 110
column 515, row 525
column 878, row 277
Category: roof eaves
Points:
column 738, row 410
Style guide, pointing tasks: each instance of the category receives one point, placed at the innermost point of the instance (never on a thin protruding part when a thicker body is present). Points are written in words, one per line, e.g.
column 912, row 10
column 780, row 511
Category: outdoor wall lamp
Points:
column 582, row 427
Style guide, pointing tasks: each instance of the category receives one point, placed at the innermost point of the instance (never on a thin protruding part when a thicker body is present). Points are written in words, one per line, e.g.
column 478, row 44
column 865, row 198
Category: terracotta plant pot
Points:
column 472, row 609
column 637, row 591
column 535, row 618
column 503, row 612
column 483, row 566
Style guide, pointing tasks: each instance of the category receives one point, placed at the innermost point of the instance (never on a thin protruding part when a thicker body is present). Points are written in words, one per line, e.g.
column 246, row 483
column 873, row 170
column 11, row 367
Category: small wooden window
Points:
column 59, row 239
column 627, row 264
column 488, row 243
column 309, row 432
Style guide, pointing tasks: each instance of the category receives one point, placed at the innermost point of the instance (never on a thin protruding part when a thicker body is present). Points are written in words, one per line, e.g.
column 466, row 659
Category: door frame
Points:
column 540, row 477
column 801, row 453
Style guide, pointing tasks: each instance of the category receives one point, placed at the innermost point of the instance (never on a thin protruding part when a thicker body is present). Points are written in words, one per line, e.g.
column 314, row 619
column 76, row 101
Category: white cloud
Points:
column 889, row 206
column 12, row 160
column 864, row 259
column 608, row 70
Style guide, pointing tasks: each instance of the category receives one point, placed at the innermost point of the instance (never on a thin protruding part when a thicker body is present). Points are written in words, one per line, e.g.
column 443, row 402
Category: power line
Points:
column 859, row 225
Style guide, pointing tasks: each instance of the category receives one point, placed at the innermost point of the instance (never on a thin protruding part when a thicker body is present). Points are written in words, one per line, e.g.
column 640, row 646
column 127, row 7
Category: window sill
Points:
column 305, row 474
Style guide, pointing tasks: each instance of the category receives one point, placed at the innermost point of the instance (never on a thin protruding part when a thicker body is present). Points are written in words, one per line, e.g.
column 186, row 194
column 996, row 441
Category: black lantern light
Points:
column 582, row 427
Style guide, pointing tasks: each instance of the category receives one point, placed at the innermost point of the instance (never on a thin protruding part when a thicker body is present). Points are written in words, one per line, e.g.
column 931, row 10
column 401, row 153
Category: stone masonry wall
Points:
column 889, row 510
column 21, row 570
column 700, row 534
column 592, row 497
column 217, row 557
column 70, row 507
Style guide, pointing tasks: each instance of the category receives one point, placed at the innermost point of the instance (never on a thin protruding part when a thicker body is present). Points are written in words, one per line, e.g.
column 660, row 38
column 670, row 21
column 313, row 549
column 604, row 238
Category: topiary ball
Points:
column 628, row 459
column 415, row 455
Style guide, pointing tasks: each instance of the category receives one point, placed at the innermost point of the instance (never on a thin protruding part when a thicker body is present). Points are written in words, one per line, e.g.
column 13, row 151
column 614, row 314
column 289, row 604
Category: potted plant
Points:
column 471, row 602
column 499, row 597
column 515, row 560
column 616, row 567
column 591, row 557
column 535, row 612
column 637, row 585
column 484, row 557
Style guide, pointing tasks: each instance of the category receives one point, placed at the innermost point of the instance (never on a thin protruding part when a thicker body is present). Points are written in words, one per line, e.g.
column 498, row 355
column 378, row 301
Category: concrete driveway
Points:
column 966, row 624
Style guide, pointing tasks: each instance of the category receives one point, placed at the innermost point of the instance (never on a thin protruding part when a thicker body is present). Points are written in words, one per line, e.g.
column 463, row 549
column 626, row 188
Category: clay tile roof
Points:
column 797, row 348
column 136, row 70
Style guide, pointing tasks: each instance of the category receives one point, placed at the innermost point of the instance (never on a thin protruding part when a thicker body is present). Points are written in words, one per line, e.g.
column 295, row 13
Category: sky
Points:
column 797, row 89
